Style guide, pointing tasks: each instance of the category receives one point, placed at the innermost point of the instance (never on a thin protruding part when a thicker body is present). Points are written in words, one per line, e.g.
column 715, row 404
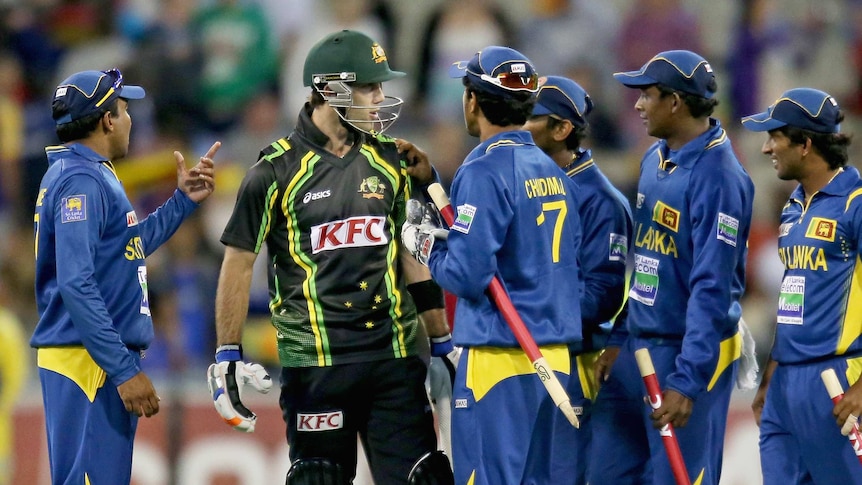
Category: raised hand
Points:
column 197, row 183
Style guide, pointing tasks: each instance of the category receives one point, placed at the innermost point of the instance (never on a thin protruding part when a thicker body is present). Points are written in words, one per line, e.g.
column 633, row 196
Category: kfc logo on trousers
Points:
column 319, row 422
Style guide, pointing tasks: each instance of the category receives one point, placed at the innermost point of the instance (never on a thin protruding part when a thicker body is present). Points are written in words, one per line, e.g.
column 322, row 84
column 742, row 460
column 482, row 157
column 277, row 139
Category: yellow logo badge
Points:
column 823, row 229
column 666, row 216
column 377, row 53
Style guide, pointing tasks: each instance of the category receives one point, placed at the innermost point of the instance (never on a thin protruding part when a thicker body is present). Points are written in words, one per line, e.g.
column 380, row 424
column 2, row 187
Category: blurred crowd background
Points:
column 232, row 70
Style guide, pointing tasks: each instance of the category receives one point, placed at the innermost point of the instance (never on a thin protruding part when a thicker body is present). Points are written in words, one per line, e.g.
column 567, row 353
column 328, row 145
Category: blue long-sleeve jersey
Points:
column 517, row 217
column 607, row 227
column 692, row 220
column 91, row 281
column 820, row 244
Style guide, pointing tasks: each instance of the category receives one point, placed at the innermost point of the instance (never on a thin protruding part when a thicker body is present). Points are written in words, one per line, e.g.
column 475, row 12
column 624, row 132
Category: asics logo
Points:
column 309, row 196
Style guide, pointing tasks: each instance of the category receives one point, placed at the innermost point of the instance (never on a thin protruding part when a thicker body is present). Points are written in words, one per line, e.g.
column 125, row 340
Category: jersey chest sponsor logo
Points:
column 791, row 301
column 349, row 233
column 74, row 208
column 666, row 216
column 312, row 196
column 823, row 229
column 320, row 421
column 645, row 280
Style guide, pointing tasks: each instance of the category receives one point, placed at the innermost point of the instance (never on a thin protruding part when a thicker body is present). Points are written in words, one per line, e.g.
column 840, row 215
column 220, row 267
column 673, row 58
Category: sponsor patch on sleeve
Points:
column 464, row 219
column 728, row 229
column 619, row 247
column 74, row 209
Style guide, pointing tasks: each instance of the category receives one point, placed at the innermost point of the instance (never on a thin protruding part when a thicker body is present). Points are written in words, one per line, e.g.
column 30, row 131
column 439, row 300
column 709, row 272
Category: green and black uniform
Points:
column 347, row 326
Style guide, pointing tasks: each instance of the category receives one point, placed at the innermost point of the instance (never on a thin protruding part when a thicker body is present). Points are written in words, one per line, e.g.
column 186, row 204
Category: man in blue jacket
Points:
column 559, row 126
column 692, row 221
column 819, row 313
column 517, row 218
column 91, row 280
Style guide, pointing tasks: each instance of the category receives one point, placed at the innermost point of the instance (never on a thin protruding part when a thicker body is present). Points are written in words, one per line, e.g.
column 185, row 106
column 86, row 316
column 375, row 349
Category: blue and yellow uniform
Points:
column 691, row 228
column 607, row 227
column 517, row 218
column 91, row 292
column 819, row 325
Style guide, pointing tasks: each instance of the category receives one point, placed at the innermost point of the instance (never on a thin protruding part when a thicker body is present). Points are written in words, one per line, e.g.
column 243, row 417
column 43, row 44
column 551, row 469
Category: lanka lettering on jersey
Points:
column 692, row 220
column 331, row 229
column 517, row 217
column 91, row 280
column 606, row 219
column 820, row 245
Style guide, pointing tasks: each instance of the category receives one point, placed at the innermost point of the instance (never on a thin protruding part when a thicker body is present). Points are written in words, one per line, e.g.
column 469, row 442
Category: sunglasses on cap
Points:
column 512, row 81
column 118, row 83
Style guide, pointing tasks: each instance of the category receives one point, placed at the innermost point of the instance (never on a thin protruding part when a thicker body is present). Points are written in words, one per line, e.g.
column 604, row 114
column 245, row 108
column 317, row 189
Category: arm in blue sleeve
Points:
column 76, row 249
column 603, row 262
column 163, row 222
column 712, row 279
column 465, row 265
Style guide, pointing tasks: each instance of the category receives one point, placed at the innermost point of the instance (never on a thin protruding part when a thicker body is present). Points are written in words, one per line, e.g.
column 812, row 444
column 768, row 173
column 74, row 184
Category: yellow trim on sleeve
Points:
column 851, row 326
column 74, row 363
column 486, row 366
column 729, row 350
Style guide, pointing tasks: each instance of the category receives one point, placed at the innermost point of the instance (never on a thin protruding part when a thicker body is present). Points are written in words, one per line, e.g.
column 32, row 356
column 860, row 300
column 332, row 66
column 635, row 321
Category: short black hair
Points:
column 831, row 146
column 698, row 106
column 576, row 136
column 82, row 127
column 514, row 109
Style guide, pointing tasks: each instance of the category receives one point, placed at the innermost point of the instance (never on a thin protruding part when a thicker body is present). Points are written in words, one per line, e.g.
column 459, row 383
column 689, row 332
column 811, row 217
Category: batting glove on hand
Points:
column 444, row 353
column 419, row 239
column 226, row 380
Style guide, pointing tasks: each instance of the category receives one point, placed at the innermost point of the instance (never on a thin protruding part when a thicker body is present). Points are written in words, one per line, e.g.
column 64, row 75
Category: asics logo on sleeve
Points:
column 349, row 233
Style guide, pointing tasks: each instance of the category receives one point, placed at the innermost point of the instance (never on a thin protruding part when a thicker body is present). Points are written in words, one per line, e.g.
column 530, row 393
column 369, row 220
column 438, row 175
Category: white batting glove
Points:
column 226, row 380
column 418, row 239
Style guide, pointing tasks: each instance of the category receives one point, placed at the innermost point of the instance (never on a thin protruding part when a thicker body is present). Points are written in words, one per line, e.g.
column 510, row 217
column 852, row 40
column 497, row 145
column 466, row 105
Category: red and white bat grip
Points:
column 836, row 393
column 519, row 329
column 668, row 437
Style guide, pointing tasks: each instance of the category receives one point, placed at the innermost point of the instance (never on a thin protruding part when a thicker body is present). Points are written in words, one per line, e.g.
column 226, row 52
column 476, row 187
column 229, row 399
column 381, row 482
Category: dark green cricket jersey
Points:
column 332, row 229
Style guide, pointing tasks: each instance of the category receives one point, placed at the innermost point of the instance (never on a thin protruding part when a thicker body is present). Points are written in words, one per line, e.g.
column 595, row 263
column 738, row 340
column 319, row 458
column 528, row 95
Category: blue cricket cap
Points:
column 89, row 92
column 564, row 98
column 679, row 70
column 806, row 108
column 498, row 70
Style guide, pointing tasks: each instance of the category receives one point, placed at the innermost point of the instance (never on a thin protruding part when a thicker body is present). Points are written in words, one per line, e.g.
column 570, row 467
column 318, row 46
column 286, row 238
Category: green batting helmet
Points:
column 347, row 56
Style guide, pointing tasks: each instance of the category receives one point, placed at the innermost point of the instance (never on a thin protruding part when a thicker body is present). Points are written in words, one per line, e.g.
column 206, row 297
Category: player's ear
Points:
column 562, row 129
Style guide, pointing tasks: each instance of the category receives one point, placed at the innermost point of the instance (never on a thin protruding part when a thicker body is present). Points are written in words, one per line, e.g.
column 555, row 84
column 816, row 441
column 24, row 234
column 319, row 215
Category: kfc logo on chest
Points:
column 349, row 233
column 320, row 421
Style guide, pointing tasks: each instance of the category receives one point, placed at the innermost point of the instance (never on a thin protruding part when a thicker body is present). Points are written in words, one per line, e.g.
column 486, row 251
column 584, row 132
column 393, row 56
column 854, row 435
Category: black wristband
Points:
column 427, row 295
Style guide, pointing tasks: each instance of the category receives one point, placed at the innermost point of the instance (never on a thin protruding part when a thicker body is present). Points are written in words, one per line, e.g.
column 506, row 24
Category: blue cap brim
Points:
column 539, row 110
column 458, row 69
column 634, row 78
column 762, row 122
column 132, row 92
